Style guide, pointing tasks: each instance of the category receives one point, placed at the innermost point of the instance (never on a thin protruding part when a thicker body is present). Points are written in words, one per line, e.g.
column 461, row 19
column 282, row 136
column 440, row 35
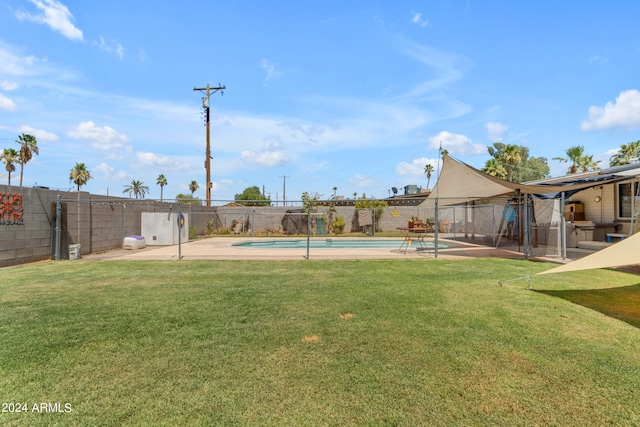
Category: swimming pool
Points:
column 332, row 244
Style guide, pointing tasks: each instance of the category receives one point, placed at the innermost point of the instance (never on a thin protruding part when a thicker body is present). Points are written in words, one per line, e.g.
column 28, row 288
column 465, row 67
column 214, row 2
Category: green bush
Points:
column 338, row 225
column 222, row 231
column 193, row 233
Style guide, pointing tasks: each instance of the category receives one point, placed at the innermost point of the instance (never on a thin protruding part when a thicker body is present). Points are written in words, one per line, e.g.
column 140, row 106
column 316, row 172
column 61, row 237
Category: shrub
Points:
column 338, row 225
column 221, row 231
column 193, row 233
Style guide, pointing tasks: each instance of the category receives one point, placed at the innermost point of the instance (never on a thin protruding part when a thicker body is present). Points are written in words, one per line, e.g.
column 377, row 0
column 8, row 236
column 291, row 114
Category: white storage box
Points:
column 74, row 251
column 134, row 242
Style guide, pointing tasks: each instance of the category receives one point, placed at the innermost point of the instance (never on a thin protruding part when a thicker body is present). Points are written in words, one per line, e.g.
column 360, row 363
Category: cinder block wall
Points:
column 100, row 223
column 30, row 241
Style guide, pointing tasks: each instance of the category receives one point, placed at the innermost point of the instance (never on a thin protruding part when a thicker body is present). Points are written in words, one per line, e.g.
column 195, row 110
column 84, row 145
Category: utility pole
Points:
column 284, row 190
column 205, row 105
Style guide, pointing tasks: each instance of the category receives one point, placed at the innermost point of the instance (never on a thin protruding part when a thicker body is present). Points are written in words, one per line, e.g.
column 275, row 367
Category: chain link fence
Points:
column 99, row 224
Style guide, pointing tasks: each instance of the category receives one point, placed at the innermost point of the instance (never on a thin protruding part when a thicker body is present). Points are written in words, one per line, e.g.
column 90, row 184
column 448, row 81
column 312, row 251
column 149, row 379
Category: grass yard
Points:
column 385, row 342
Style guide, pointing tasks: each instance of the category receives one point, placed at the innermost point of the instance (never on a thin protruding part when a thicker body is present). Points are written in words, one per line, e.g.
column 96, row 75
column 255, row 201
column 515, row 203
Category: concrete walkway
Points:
column 221, row 248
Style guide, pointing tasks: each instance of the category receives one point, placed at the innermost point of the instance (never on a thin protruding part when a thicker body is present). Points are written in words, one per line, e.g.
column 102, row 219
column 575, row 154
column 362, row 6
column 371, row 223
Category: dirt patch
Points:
column 347, row 315
column 311, row 338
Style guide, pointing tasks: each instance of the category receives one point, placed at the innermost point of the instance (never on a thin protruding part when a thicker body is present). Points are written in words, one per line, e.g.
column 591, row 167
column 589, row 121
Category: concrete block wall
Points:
column 31, row 240
column 270, row 218
column 100, row 223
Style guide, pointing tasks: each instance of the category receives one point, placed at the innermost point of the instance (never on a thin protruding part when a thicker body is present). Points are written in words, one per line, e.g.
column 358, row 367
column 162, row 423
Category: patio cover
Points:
column 625, row 252
column 459, row 183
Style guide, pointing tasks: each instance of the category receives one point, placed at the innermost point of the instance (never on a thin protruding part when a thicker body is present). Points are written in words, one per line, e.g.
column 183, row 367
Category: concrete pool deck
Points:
column 221, row 248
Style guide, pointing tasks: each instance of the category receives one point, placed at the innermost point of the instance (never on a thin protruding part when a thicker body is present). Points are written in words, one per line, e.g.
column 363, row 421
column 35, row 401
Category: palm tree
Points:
column 494, row 168
column 193, row 187
column 428, row 170
column 512, row 157
column 136, row 188
column 574, row 154
column 625, row 154
column 10, row 158
column 79, row 175
column 586, row 164
column 28, row 147
column 161, row 181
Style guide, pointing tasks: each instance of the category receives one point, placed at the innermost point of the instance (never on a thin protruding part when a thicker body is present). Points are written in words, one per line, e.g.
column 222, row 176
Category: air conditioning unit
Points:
column 411, row 189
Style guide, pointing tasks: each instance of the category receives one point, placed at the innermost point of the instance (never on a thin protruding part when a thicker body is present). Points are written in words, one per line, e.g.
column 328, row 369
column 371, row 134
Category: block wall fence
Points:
column 100, row 223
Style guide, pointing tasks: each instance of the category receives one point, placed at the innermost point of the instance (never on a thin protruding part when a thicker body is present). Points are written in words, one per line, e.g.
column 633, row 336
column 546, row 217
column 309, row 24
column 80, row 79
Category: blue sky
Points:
column 356, row 95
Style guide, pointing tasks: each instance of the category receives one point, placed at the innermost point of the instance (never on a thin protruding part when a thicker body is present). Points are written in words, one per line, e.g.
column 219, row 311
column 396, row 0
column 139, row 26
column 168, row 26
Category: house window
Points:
column 625, row 200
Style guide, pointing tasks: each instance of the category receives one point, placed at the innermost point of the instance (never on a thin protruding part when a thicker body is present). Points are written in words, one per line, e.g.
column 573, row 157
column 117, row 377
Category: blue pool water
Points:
column 332, row 244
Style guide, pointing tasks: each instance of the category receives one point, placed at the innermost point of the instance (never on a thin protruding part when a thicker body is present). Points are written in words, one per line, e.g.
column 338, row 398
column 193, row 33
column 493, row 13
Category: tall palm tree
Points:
column 574, row 154
column 28, row 147
column 137, row 188
column 161, row 181
column 193, row 187
column 428, row 170
column 625, row 154
column 494, row 168
column 512, row 157
column 79, row 175
column 10, row 158
column 586, row 164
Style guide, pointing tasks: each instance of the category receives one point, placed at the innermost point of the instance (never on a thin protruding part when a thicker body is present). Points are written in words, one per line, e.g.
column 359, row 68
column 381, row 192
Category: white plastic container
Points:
column 134, row 242
column 74, row 251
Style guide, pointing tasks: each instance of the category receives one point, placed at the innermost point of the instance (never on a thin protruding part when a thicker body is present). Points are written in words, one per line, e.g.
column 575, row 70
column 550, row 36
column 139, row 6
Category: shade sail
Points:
column 625, row 252
column 459, row 183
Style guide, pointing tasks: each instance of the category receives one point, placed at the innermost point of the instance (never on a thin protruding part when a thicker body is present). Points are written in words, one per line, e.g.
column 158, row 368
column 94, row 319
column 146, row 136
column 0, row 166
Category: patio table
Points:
column 416, row 234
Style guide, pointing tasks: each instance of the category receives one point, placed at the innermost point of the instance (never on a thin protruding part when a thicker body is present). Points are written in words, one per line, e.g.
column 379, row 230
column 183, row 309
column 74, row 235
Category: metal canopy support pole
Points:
column 308, row 228
column 179, row 233
column 520, row 216
column 436, row 231
column 58, row 231
column 563, row 228
column 526, row 228
column 123, row 206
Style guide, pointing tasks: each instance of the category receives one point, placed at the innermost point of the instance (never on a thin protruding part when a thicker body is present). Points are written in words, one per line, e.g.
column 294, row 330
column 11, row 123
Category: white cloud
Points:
column 41, row 135
column 598, row 59
column 109, row 172
column 415, row 169
column 624, row 113
column 445, row 67
column 15, row 65
column 104, row 138
column 270, row 69
column 361, row 181
column 223, row 184
column 147, row 159
column 264, row 158
column 418, row 19
column 496, row 131
column 7, row 104
column 113, row 47
column 54, row 14
column 456, row 144
column 6, row 85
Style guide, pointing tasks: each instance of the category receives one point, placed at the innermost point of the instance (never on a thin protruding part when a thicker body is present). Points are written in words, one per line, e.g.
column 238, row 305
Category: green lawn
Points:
column 385, row 342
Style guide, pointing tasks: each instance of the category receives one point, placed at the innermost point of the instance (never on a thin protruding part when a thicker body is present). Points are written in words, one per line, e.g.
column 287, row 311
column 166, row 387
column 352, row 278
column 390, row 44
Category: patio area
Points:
column 223, row 248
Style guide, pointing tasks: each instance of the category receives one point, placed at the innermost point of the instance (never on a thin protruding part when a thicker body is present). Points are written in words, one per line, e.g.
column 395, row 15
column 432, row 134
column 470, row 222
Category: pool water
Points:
column 331, row 244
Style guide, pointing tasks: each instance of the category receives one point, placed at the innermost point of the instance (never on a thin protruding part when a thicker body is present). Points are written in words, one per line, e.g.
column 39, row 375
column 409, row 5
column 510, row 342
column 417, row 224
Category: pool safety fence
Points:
column 99, row 223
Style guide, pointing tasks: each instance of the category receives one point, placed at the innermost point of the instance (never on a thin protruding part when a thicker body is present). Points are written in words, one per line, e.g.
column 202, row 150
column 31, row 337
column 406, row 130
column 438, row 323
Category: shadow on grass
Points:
column 619, row 303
